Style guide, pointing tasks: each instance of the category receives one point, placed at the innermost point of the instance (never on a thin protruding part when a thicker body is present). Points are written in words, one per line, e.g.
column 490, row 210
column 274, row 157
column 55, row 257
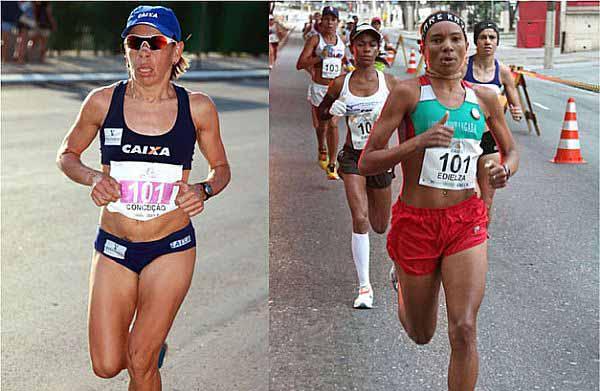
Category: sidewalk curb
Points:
column 106, row 76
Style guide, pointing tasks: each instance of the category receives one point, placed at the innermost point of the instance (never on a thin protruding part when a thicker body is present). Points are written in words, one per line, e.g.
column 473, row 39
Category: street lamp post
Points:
column 549, row 41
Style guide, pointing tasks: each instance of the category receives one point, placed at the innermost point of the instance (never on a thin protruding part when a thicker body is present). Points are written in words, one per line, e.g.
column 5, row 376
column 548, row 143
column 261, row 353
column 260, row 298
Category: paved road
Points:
column 538, row 325
column 219, row 340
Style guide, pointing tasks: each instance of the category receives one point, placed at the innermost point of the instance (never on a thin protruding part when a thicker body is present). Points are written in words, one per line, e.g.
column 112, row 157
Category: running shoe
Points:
column 332, row 172
column 394, row 278
column 162, row 355
column 323, row 159
column 365, row 297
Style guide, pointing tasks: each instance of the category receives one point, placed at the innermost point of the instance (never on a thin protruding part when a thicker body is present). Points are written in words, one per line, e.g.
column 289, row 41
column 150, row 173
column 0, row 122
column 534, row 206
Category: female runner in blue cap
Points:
column 145, row 249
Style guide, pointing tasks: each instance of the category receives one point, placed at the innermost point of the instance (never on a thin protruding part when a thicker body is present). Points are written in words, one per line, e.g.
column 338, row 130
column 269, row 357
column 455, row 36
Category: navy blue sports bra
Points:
column 119, row 143
column 471, row 78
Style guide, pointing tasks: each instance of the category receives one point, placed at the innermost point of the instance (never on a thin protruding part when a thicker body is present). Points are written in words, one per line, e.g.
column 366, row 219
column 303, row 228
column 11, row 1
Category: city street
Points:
column 219, row 340
column 538, row 323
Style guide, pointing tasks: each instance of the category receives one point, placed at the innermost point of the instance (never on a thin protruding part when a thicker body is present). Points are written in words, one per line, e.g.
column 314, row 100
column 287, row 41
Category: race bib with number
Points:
column 332, row 67
column 361, row 118
column 452, row 168
column 147, row 189
column 273, row 38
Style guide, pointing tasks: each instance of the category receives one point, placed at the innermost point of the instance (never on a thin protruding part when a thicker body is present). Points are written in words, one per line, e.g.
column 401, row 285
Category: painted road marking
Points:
column 541, row 106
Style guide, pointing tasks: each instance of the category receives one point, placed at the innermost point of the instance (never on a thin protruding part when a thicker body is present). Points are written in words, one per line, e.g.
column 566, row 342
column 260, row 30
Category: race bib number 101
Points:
column 453, row 168
column 146, row 192
column 332, row 68
column 147, row 189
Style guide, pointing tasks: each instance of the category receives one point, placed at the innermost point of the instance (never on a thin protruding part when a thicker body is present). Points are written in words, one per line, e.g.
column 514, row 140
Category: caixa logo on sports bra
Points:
column 146, row 150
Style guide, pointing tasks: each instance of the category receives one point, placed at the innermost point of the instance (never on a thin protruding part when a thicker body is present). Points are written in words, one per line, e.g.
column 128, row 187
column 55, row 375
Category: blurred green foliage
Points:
column 226, row 27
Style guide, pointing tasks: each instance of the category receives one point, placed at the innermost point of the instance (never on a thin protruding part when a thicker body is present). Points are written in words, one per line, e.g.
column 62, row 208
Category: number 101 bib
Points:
column 453, row 168
column 147, row 189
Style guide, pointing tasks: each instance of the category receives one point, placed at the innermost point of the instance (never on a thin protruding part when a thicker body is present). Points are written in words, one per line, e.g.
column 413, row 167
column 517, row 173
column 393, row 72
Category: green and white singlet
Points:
column 453, row 167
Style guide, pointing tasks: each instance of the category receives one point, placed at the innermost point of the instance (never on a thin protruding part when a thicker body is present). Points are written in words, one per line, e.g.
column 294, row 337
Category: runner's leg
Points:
column 332, row 138
column 418, row 298
column 162, row 288
column 320, row 128
column 463, row 277
column 112, row 302
column 357, row 201
column 380, row 202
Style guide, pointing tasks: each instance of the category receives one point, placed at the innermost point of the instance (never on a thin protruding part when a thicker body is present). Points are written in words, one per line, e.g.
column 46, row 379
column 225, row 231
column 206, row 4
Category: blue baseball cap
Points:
column 161, row 18
column 329, row 10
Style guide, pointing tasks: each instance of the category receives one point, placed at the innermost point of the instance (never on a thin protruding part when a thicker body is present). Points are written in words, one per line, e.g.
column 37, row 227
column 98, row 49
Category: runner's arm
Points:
column 333, row 93
column 496, row 122
column 508, row 81
column 208, row 136
column 80, row 136
column 307, row 58
column 512, row 96
column 376, row 157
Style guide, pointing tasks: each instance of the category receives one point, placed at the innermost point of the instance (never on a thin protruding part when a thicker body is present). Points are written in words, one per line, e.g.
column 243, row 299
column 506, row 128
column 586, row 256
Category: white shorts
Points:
column 316, row 93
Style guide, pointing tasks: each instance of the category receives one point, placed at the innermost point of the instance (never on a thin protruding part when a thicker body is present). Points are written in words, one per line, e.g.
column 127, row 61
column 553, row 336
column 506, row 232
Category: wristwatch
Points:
column 208, row 190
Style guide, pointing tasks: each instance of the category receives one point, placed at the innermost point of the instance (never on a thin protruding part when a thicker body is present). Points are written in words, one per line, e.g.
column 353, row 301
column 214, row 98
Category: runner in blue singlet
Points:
column 145, row 249
column 483, row 69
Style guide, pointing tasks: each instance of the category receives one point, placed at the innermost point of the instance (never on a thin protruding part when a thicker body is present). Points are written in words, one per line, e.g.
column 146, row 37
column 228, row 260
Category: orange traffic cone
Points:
column 568, row 147
column 391, row 55
column 412, row 62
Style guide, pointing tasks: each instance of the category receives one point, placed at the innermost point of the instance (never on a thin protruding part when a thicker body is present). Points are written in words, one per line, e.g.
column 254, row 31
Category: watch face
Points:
column 208, row 189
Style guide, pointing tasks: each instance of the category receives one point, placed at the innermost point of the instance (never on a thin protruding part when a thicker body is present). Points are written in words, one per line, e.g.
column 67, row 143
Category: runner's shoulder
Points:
column 98, row 100
column 407, row 90
column 484, row 93
column 390, row 80
column 201, row 106
column 313, row 40
column 486, row 96
column 505, row 72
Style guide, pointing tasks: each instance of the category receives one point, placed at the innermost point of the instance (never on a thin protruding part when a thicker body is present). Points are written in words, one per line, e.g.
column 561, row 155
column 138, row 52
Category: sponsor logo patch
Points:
column 112, row 136
column 146, row 150
column 181, row 242
column 114, row 249
column 148, row 15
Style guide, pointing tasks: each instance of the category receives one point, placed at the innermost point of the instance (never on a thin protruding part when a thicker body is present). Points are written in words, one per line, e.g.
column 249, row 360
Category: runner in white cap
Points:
column 359, row 96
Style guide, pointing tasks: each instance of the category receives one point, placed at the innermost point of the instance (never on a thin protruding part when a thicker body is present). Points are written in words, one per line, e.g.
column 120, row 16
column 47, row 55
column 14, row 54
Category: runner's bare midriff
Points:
column 420, row 196
column 143, row 231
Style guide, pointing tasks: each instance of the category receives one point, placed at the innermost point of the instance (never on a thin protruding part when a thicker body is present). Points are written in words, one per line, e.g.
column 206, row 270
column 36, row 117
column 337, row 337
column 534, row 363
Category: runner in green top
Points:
column 438, row 230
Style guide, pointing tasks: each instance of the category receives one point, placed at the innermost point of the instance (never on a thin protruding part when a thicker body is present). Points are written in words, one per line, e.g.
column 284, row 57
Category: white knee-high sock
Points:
column 360, row 253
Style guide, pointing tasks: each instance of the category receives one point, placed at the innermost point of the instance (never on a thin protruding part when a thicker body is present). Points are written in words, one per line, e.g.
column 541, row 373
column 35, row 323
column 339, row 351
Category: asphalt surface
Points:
column 219, row 340
column 538, row 324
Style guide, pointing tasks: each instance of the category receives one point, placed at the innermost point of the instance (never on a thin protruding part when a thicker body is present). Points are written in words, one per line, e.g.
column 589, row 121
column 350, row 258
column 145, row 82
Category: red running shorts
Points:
column 419, row 238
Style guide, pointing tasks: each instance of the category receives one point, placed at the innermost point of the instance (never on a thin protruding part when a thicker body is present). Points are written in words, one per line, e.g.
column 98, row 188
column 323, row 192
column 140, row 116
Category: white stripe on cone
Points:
column 571, row 107
column 570, row 125
column 568, row 144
